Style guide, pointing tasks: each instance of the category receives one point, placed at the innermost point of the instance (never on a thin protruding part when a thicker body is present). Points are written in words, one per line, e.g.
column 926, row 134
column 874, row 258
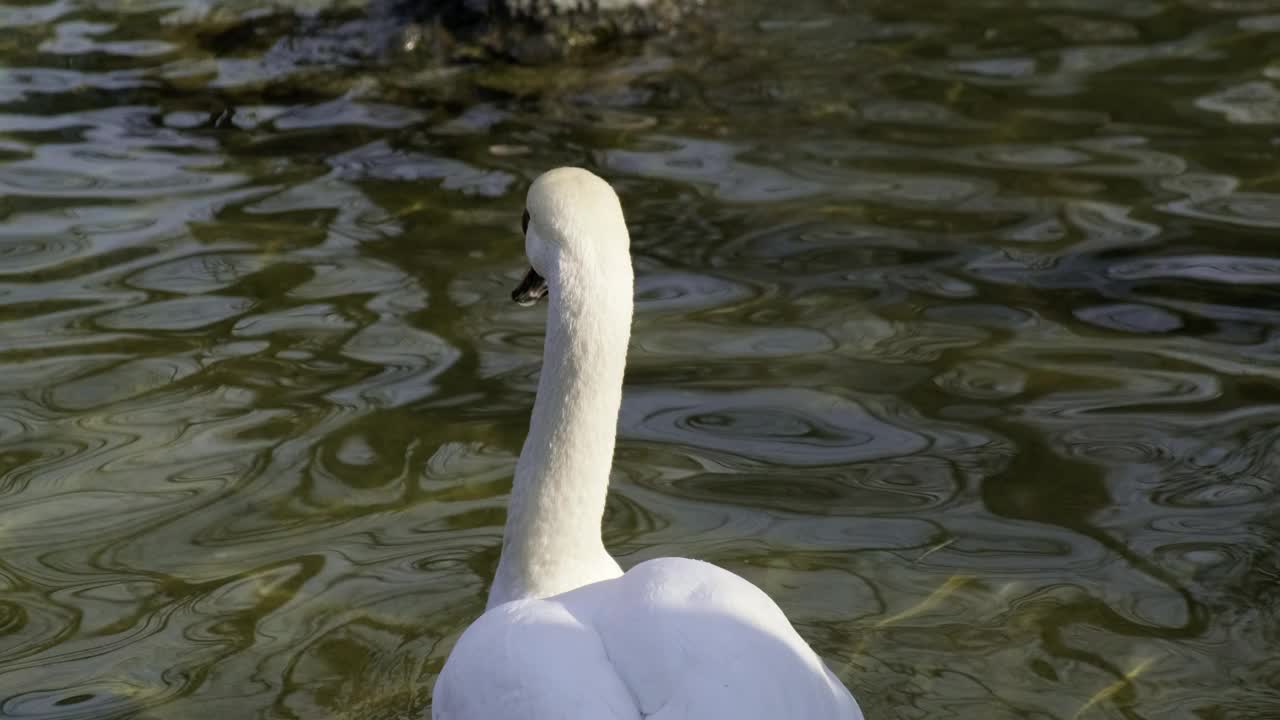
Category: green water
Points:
column 957, row 331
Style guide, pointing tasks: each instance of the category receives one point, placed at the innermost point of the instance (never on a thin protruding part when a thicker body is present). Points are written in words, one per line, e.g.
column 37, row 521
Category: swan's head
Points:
column 572, row 220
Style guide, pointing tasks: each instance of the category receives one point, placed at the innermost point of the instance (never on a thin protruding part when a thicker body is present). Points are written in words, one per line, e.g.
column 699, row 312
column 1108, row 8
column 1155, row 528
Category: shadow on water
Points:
column 1068, row 493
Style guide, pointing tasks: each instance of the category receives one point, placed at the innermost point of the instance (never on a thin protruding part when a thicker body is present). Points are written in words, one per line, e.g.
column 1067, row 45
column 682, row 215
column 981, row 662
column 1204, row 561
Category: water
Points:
column 957, row 332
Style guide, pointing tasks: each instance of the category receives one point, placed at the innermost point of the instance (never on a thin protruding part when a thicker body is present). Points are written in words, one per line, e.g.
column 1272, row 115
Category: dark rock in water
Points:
column 527, row 32
column 537, row 31
column 402, row 51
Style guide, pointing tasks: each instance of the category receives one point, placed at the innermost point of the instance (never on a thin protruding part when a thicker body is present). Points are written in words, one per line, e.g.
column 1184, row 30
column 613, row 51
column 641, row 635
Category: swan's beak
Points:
column 531, row 289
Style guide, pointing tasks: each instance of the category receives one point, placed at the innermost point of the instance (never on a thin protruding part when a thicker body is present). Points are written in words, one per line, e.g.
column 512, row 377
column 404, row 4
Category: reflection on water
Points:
column 956, row 332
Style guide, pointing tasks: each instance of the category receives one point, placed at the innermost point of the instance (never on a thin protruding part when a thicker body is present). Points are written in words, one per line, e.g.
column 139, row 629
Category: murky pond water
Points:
column 958, row 332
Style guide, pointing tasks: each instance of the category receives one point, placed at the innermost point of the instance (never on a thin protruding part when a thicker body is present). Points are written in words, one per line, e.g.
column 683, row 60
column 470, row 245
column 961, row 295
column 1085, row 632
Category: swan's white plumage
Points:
column 567, row 635
column 671, row 639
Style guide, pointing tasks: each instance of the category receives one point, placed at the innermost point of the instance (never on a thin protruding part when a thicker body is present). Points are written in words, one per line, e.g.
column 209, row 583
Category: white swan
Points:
column 567, row 634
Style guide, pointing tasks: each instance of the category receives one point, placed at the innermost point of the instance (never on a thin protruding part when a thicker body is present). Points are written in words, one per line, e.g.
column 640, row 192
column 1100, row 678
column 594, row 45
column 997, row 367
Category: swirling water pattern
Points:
column 956, row 332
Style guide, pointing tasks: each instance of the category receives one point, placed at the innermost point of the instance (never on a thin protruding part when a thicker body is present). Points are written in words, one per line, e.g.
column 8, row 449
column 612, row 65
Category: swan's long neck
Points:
column 552, row 541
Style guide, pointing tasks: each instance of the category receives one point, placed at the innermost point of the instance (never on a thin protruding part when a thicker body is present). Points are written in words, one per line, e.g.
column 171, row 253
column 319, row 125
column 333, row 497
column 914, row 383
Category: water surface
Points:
column 957, row 332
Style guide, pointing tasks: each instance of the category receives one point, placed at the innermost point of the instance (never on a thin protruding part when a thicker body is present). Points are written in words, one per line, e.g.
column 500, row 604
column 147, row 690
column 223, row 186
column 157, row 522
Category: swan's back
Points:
column 671, row 639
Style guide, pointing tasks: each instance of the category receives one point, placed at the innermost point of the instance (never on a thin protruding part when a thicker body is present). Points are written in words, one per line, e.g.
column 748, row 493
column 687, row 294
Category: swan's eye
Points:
column 524, row 223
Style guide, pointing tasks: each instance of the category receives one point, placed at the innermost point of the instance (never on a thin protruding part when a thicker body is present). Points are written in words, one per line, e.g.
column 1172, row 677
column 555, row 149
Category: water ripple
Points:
column 1209, row 268
column 1257, row 209
column 785, row 427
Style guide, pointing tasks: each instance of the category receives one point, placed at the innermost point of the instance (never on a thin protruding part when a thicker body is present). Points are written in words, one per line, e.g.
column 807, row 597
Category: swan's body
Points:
column 568, row 635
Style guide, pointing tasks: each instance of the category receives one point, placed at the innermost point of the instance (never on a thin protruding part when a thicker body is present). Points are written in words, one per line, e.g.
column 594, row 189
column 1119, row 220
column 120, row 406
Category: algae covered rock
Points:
column 535, row 31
